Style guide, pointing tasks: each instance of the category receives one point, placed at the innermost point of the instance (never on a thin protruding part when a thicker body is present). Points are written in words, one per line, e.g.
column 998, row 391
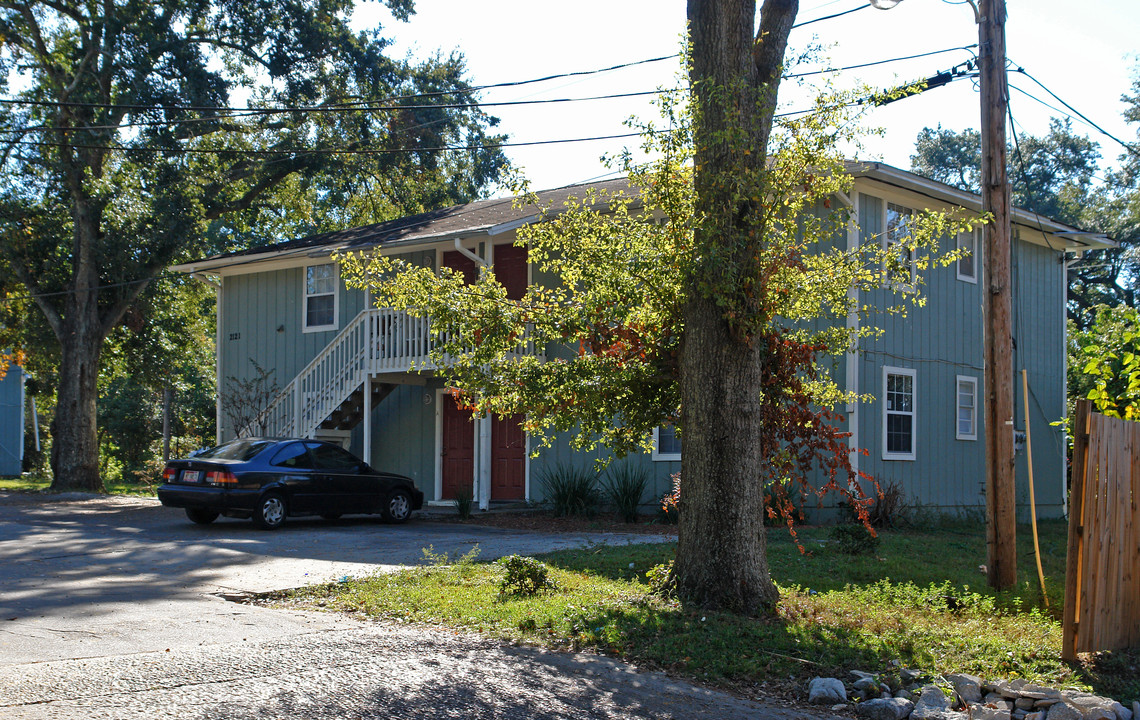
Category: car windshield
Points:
column 242, row 449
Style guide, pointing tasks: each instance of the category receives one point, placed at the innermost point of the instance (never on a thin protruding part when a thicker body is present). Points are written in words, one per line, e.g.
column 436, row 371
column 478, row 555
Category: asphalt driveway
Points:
column 94, row 576
column 114, row 608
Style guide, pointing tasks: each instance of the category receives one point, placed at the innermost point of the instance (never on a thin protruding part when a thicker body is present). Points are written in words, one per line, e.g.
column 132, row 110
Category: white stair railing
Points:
column 377, row 340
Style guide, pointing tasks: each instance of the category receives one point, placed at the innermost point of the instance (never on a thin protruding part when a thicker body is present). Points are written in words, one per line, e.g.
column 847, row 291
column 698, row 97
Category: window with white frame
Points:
column 320, row 297
column 898, row 230
column 898, row 413
column 966, row 419
column 968, row 263
column 666, row 443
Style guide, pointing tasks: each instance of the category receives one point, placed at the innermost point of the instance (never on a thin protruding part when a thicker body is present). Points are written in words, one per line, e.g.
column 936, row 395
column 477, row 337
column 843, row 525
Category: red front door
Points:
column 457, row 448
column 508, row 458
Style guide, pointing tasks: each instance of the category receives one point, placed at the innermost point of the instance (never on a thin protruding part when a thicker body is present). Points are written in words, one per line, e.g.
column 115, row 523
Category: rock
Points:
column 932, row 704
column 1136, row 708
column 1024, row 703
column 860, row 675
column 885, row 709
column 1063, row 711
column 838, row 707
column 984, row 712
column 1092, row 707
column 1122, row 713
column 908, row 676
column 1018, row 714
column 1039, row 715
column 998, row 700
column 826, row 691
column 1037, row 692
column 968, row 687
column 865, row 683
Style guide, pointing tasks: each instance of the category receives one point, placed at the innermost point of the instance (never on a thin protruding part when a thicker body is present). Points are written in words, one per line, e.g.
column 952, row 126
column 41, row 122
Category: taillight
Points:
column 221, row 477
column 169, row 474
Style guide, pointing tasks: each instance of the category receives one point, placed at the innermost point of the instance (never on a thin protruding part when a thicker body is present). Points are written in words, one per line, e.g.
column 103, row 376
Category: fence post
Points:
column 1073, row 568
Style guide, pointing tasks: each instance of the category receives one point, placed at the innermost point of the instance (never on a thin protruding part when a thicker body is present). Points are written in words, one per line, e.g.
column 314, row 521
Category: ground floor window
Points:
column 666, row 443
column 898, row 413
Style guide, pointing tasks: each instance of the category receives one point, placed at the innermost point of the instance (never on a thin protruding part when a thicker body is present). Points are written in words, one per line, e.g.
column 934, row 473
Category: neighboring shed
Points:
column 12, row 422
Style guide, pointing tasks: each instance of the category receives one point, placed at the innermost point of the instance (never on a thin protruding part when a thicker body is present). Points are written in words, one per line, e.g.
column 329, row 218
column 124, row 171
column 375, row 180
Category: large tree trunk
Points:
column 80, row 331
column 75, row 443
column 721, row 559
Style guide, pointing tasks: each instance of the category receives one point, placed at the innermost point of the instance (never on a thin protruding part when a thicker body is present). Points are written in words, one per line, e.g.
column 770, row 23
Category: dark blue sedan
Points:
column 269, row 479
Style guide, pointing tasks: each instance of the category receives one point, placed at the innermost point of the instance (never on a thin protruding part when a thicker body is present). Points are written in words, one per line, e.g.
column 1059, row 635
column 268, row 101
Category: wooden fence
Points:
column 1102, row 580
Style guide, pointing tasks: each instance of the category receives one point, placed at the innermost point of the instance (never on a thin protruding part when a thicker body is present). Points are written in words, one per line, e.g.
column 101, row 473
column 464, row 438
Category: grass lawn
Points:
column 36, row 483
column 920, row 599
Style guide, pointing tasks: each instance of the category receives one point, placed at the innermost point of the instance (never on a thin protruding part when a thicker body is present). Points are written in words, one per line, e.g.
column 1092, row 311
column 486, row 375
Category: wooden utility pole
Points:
column 1001, row 497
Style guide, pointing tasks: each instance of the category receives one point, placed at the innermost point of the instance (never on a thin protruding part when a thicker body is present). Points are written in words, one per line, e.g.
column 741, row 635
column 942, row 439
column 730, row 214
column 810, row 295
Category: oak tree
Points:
column 137, row 133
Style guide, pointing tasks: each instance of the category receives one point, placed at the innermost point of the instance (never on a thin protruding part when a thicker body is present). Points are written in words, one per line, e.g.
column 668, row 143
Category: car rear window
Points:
column 242, row 449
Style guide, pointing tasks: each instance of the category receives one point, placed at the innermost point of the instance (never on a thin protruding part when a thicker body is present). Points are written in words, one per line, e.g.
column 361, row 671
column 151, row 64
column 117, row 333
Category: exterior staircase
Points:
column 329, row 392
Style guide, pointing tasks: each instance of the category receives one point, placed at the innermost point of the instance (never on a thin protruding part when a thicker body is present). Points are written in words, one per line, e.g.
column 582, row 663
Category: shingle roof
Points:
column 472, row 217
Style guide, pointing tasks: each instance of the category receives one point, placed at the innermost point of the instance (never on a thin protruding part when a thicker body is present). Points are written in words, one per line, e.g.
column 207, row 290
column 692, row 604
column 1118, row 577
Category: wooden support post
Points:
column 1073, row 565
column 1001, row 497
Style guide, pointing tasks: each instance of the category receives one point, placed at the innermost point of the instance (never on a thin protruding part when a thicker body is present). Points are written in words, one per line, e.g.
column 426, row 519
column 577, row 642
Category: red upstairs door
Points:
column 457, row 447
column 508, row 458
column 510, row 269
column 460, row 262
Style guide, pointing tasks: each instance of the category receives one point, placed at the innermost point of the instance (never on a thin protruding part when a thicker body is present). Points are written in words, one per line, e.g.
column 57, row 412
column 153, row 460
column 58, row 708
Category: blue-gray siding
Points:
column 12, row 422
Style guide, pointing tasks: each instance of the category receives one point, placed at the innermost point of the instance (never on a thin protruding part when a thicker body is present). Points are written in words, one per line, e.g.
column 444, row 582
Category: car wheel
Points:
column 270, row 512
column 200, row 516
column 398, row 507
column 331, row 516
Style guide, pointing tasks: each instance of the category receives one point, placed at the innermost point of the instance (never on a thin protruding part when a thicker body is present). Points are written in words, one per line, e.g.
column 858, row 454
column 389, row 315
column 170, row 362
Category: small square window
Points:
column 320, row 297
column 666, row 443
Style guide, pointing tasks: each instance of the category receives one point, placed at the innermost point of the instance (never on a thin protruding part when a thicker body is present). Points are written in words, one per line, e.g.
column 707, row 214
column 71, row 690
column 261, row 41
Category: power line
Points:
column 339, row 107
column 829, row 17
column 1127, row 146
column 879, row 62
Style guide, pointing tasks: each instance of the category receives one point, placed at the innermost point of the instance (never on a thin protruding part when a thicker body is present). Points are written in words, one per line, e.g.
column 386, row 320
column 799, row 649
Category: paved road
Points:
column 114, row 608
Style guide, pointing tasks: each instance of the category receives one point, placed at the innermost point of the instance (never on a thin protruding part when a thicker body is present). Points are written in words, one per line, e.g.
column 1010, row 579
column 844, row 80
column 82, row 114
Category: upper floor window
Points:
column 968, row 263
column 320, row 297
column 898, row 413
column 898, row 230
column 666, row 443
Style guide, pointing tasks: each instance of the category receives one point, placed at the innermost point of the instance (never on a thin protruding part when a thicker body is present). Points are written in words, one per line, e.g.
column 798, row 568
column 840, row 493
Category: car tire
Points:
column 331, row 516
column 201, row 516
column 270, row 512
column 398, row 507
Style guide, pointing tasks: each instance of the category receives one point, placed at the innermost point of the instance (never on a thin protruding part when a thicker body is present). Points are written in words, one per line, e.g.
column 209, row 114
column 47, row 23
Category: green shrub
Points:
column 524, row 576
column 625, row 485
column 571, row 490
column 853, row 539
column 464, row 501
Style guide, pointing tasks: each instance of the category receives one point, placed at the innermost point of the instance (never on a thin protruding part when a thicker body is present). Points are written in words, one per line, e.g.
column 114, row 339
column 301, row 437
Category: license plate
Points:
column 190, row 475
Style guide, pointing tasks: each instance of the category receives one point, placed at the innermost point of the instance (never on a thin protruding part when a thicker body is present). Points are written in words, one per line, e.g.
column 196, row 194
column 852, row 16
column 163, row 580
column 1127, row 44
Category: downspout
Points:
column 470, row 255
column 1065, row 266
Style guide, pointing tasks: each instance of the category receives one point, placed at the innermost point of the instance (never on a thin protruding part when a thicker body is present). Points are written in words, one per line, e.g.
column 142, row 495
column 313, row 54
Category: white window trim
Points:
column 305, row 299
column 885, row 244
column 657, row 456
column 973, row 382
column 973, row 235
column 887, row 371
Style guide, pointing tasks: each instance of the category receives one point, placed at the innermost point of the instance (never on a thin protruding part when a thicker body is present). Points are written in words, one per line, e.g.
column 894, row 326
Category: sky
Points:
column 1088, row 56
